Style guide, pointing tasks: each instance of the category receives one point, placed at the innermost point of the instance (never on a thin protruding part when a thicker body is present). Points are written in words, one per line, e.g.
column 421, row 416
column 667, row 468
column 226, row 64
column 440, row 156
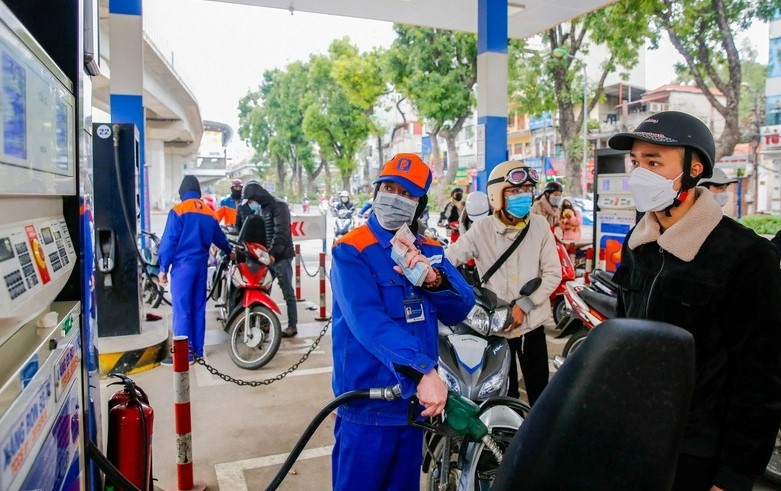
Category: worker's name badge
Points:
column 435, row 259
column 413, row 309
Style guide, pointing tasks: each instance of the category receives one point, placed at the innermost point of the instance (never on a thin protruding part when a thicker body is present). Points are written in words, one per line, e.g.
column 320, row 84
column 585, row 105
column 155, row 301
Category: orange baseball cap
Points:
column 410, row 171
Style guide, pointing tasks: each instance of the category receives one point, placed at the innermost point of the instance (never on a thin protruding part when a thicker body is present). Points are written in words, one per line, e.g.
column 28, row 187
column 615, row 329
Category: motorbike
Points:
column 475, row 363
column 343, row 223
column 152, row 293
column 242, row 289
column 588, row 308
column 558, row 305
column 324, row 206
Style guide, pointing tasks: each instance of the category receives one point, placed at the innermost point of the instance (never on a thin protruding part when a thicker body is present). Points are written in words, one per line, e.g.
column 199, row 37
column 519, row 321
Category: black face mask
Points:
column 236, row 194
column 458, row 196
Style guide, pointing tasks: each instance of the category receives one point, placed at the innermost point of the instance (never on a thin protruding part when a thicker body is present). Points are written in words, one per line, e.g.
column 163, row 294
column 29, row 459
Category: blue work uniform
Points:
column 382, row 323
column 190, row 230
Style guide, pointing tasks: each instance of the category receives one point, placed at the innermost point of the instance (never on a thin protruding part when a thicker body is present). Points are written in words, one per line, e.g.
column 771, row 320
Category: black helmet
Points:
column 552, row 187
column 674, row 129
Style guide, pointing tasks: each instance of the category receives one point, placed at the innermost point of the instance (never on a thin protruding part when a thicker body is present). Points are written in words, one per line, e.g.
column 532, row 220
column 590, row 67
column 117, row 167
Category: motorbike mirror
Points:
column 530, row 286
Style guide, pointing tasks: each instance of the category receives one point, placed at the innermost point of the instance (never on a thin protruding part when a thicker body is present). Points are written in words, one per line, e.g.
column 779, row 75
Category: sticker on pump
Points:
column 38, row 253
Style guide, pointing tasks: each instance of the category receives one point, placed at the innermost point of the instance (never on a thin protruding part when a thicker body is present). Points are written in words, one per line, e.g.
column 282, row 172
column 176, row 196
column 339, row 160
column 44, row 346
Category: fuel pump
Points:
column 46, row 415
column 117, row 289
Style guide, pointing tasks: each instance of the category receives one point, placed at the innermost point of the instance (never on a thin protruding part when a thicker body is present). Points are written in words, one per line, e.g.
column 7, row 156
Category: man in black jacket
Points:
column 279, row 242
column 686, row 264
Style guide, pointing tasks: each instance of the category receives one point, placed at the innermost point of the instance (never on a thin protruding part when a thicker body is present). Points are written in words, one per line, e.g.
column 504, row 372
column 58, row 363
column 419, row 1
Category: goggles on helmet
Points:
column 518, row 176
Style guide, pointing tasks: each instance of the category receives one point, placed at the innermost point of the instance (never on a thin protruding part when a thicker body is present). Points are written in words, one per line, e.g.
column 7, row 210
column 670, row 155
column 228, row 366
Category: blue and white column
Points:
column 492, row 83
column 127, row 81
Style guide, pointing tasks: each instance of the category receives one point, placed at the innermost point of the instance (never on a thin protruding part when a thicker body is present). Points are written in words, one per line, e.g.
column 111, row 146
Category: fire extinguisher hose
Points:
column 108, row 468
column 387, row 393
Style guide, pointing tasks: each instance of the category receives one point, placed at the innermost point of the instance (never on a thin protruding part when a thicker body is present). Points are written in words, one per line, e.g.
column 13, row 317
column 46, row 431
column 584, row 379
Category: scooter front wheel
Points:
column 560, row 309
column 256, row 347
column 574, row 342
column 436, row 474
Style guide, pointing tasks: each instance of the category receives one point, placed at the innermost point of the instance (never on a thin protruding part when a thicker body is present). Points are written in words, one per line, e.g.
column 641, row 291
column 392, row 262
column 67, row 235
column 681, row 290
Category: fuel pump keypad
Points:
column 35, row 254
column 15, row 284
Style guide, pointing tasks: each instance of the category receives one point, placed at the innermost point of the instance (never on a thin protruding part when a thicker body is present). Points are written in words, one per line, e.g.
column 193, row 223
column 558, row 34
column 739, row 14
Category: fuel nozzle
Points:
column 463, row 416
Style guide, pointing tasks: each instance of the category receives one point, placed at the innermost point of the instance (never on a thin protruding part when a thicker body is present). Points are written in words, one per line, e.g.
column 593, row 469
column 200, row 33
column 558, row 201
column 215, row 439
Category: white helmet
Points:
column 344, row 194
column 477, row 205
column 508, row 173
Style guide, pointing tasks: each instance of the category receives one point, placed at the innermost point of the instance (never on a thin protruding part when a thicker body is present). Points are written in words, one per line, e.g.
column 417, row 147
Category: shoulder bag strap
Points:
column 506, row 254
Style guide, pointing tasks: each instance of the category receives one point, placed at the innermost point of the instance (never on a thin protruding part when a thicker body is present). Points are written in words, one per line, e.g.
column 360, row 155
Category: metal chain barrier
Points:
column 303, row 263
column 257, row 383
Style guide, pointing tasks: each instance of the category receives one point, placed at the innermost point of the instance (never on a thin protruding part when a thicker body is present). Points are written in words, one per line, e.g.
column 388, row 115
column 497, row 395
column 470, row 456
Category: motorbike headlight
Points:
column 498, row 320
column 478, row 320
column 493, row 385
column 450, row 380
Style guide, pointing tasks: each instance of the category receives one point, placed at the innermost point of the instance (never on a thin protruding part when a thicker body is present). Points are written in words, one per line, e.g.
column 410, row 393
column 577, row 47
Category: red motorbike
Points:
column 250, row 316
column 558, row 305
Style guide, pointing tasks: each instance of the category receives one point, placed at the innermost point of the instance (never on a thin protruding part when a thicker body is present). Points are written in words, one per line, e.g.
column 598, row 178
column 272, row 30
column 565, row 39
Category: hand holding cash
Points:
column 410, row 260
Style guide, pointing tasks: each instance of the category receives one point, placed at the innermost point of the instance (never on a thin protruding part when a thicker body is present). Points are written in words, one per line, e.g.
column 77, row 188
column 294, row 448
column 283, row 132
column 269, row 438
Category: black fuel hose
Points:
column 387, row 393
column 115, row 128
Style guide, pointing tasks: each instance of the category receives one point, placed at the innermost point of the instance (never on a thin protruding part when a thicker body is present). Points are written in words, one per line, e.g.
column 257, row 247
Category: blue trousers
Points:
column 376, row 458
column 188, row 296
column 282, row 270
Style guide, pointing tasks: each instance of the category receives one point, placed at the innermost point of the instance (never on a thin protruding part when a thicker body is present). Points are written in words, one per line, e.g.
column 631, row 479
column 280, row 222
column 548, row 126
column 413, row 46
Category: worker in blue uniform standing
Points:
column 191, row 228
column 385, row 333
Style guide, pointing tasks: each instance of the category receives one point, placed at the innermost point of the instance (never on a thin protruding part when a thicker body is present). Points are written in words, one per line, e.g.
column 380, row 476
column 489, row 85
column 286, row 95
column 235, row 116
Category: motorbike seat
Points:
column 606, row 278
column 613, row 417
column 605, row 304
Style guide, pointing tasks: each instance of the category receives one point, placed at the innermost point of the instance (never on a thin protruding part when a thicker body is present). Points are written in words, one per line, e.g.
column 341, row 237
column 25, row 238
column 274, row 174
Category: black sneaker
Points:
column 289, row 332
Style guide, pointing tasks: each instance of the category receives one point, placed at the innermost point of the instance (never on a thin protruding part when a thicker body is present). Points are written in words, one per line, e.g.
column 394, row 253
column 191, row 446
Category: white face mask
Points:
column 651, row 191
column 721, row 198
column 393, row 210
column 555, row 200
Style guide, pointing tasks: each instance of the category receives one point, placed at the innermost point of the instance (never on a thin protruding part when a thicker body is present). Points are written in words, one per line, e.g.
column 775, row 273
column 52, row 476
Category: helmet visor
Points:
column 518, row 176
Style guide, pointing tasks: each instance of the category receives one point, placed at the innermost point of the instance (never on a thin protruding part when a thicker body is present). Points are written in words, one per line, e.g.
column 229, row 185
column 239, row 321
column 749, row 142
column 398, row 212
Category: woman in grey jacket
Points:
column 511, row 187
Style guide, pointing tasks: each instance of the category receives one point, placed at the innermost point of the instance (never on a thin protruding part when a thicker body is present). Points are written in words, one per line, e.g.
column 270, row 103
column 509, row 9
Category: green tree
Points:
column 270, row 120
column 703, row 32
column 436, row 70
column 540, row 82
column 362, row 77
column 338, row 126
column 752, row 98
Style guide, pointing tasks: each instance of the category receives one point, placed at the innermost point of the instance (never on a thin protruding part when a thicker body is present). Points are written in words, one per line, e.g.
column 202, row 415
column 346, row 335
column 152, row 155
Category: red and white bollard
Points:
column 571, row 252
column 602, row 259
column 589, row 265
column 323, row 316
column 182, row 419
column 298, row 273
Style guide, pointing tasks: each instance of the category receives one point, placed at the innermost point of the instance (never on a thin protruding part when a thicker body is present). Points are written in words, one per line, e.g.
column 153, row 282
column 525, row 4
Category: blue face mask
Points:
column 519, row 205
column 255, row 207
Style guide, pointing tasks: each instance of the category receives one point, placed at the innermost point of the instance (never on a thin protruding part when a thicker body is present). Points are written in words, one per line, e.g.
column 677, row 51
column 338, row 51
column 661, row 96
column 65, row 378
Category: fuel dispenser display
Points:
column 615, row 210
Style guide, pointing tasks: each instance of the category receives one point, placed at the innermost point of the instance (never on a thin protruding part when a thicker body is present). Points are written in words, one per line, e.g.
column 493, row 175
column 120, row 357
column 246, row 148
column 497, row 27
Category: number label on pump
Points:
column 104, row 131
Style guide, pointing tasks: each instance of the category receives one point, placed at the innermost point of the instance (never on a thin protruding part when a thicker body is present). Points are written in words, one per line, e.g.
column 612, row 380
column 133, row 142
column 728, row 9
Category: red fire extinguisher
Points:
column 130, row 421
